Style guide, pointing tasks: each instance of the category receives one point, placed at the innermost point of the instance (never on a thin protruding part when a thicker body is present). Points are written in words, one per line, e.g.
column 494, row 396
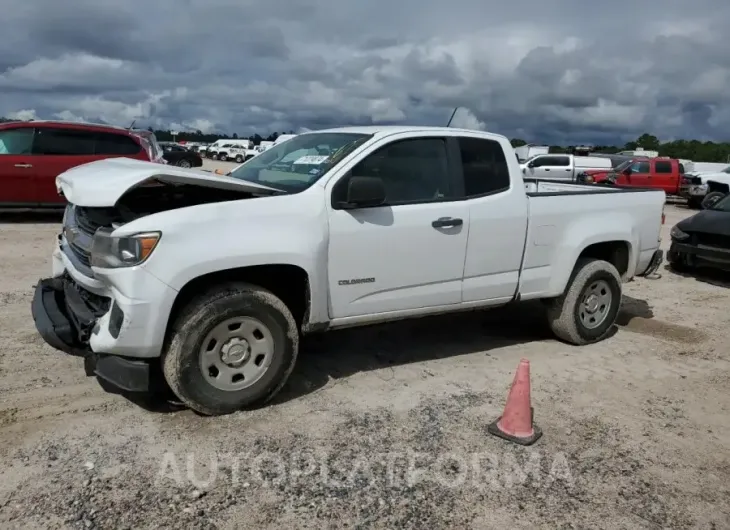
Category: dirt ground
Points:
column 385, row 426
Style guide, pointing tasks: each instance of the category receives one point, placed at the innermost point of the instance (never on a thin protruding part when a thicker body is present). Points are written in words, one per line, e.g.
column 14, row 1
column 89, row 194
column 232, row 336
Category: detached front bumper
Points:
column 67, row 317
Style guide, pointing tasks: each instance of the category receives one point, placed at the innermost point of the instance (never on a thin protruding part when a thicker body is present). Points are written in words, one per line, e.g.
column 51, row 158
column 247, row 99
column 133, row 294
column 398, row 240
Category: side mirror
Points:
column 627, row 171
column 524, row 170
column 363, row 192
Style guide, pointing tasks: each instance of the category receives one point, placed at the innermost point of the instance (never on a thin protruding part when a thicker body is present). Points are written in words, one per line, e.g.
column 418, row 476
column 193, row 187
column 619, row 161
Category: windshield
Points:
column 296, row 164
column 723, row 205
column 623, row 165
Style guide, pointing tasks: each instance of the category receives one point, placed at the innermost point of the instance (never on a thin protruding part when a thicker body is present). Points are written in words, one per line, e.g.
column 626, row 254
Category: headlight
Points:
column 108, row 252
column 676, row 233
column 588, row 179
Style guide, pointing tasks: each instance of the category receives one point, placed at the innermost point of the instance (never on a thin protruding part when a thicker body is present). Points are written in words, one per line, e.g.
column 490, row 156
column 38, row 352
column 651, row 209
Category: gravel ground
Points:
column 385, row 426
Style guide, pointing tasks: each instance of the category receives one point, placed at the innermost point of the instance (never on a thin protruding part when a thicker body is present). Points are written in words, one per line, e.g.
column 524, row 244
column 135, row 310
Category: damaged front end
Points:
column 99, row 304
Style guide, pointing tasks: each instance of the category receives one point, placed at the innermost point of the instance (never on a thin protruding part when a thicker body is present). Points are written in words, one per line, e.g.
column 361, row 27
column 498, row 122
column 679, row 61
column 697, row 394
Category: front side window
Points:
column 64, row 142
column 640, row 167
column 412, row 171
column 296, row 164
column 16, row 141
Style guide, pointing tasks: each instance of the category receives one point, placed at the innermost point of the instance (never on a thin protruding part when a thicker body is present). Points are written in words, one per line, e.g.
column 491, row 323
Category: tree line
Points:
column 199, row 136
column 684, row 149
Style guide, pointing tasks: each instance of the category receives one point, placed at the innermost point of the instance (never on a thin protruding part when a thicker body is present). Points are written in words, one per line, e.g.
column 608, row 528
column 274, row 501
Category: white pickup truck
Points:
column 205, row 282
column 562, row 166
column 705, row 189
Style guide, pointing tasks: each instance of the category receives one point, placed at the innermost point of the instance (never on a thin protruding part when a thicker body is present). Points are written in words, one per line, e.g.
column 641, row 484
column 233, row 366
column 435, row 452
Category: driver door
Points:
column 640, row 174
column 407, row 254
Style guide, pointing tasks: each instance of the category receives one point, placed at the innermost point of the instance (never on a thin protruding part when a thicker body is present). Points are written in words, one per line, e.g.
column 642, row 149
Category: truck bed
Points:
column 537, row 187
column 563, row 219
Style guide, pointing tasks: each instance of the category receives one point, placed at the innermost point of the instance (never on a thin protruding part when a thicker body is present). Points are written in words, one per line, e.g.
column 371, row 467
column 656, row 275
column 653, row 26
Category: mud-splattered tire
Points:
column 567, row 313
column 711, row 199
column 190, row 335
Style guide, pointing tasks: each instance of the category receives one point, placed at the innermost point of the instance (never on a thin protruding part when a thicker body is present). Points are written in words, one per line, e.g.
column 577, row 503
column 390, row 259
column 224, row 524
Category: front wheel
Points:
column 230, row 349
column 184, row 164
column 588, row 309
column 711, row 199
column 694, row 203
column 239, row 159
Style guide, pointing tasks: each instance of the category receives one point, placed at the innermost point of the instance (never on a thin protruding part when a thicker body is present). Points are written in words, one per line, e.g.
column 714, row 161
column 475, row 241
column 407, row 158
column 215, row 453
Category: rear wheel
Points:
column 222, row 157
column 184, row 163
column 711, row 199
column 588, row 309
column 232, row 348
column 239, row 159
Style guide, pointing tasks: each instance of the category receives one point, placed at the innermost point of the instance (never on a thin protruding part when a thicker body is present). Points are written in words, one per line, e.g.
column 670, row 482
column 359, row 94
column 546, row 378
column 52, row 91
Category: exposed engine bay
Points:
column 150, row 198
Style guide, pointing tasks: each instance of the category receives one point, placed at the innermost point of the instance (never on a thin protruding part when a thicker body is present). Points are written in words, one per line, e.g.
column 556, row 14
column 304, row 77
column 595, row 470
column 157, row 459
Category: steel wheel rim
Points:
column 595, row 304
column 236, row 353
column 184, row 163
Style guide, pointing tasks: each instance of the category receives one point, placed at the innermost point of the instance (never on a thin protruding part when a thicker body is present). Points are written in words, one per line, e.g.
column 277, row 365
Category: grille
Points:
column 712, row 240
column 80, row 254
column 91, row 220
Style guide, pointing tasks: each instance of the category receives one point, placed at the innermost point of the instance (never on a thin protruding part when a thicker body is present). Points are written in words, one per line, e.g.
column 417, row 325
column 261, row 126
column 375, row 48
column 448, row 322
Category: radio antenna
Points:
column 452, row 116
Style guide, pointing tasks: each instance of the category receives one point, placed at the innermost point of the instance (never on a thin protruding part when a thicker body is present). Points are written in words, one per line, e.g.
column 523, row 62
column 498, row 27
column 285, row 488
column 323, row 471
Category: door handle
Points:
column 446, row 222
column 546, row 169
column 24, row 166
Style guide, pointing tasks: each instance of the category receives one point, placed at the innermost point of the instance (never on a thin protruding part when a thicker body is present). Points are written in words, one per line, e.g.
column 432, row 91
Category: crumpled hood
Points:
column 708, row 222
column 717, row 177
column 102, row 183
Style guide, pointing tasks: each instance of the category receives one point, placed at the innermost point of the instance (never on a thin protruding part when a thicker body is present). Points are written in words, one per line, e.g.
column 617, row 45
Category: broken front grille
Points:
column 711, row 240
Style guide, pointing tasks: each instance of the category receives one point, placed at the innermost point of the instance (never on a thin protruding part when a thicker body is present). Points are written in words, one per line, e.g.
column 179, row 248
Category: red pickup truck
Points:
column 34, row 153
column 662, row 173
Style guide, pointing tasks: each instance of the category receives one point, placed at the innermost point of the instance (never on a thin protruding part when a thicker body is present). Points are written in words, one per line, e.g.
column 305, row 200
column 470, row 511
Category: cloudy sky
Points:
column 565, row 71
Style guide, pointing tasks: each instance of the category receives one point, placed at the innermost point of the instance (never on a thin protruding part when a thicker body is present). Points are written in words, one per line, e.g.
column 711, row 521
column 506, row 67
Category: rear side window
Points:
column 681, row 168
column 663, row 166
column 16, row 141
column 63, row 142
column 115, row 144
column 484, row 166
column 561, row 161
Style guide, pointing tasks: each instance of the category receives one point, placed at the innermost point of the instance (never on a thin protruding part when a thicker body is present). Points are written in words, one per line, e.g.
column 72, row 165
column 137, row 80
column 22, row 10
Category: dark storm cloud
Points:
column 548, row 75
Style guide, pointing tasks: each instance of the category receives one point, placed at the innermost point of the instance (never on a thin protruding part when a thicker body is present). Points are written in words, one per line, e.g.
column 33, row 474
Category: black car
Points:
column 177, row 155
column 702, row 240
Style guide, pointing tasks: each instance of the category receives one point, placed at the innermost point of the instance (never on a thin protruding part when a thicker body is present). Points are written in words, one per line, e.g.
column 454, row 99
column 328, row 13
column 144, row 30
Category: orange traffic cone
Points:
column 515, row 424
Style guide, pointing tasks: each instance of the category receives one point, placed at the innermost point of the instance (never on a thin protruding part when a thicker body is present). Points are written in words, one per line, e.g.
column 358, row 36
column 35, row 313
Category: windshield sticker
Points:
column 311, row 160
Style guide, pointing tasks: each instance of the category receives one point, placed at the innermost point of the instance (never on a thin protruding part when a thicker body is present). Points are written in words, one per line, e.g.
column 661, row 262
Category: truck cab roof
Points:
column 388, row 130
